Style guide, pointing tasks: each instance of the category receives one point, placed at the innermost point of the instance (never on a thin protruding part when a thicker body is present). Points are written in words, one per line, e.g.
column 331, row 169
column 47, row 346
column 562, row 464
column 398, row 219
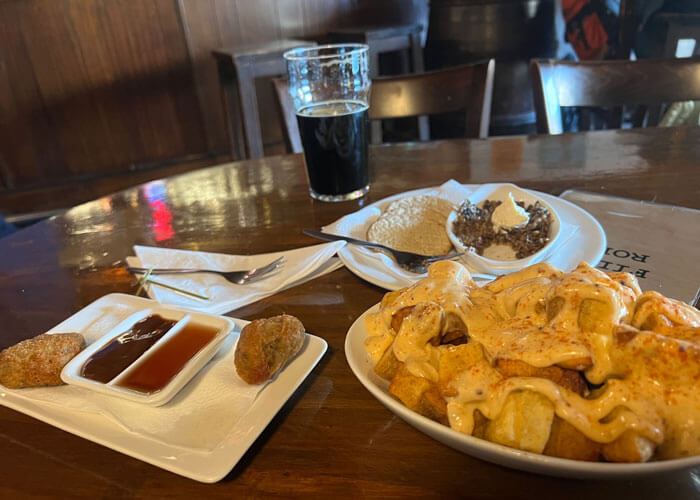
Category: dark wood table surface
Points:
column 332, row 438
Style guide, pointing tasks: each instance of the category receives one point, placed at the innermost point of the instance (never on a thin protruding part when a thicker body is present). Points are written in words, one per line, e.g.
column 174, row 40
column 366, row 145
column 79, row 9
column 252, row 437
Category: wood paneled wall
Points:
column 90, row 88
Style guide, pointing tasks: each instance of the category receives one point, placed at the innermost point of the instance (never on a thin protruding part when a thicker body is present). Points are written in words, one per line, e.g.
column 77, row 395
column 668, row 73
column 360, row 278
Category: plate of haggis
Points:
column 575, row 374
column 500, row 228
column 106, row 374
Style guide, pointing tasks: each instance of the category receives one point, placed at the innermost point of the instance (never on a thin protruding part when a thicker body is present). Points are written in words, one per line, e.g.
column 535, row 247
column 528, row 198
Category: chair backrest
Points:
column 289, row 118
column 463, row 88
column 558, row 84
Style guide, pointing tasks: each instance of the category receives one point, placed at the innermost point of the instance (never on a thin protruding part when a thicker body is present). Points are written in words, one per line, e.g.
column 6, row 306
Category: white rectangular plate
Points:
column 205, row 466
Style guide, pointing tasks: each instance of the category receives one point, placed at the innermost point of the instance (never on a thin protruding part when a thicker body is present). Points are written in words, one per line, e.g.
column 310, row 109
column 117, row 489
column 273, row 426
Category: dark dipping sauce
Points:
column 126, row 348
column 169, row 358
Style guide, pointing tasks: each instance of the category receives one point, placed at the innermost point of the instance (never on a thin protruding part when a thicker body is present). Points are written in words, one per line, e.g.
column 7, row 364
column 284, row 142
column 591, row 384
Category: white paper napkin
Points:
column 301, row 265
column 379, row 267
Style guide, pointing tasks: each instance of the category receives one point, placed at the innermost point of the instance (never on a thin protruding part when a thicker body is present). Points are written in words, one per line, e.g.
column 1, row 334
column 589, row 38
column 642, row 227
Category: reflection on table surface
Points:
column 332, row 437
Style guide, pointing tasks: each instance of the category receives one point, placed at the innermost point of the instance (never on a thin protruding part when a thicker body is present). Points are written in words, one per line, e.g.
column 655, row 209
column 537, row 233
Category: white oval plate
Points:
column 587, row 244
column 362, row 365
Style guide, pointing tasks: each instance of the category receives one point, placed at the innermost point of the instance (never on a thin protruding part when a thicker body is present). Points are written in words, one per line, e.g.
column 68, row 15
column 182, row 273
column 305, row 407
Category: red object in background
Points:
column 162, row 218
column 584, row 29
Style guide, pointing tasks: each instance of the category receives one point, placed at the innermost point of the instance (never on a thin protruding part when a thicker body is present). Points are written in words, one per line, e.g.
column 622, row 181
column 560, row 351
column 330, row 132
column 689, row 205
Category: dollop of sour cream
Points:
column 508, row 215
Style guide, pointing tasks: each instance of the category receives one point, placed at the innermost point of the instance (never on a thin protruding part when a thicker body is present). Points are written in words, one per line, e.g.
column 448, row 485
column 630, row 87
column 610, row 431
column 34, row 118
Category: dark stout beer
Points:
column 335, row 136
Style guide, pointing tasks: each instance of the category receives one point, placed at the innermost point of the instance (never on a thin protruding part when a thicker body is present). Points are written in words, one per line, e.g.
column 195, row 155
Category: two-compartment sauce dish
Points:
column 150, row 355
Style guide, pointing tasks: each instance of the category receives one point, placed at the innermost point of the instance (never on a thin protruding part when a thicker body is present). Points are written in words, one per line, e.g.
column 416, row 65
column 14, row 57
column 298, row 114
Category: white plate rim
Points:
column 596, row 253
column 360, row 364
column 203, row 466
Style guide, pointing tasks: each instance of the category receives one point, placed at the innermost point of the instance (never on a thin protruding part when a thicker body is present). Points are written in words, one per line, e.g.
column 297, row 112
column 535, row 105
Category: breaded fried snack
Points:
column 265, row 345
column 38, row 361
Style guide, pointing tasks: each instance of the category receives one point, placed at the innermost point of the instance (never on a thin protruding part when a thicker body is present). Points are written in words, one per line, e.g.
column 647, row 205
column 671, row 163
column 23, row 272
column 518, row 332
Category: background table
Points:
column 332, row 438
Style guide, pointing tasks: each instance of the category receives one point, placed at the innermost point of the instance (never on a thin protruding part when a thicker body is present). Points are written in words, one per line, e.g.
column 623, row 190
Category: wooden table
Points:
column 332, row 438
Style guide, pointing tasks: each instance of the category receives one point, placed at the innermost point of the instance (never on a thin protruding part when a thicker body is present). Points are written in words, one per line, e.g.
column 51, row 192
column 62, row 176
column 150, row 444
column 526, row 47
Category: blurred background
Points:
column 99, row 95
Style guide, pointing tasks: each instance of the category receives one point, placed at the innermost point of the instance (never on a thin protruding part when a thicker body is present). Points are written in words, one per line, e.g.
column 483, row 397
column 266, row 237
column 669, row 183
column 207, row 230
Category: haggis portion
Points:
column 38, row 361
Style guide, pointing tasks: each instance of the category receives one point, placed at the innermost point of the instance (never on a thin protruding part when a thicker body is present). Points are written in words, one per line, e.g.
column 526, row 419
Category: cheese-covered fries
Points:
column 579, row 365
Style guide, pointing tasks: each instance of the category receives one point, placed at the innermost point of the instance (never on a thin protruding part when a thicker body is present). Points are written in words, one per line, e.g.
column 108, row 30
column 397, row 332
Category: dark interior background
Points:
column 97, row 95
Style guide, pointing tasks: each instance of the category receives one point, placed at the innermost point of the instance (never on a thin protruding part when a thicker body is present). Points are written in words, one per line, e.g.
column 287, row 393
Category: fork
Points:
column 413, row 262
column 236, row 277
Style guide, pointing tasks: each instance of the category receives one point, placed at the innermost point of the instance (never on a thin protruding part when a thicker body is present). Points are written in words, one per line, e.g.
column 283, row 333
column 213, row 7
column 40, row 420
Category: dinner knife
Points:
column 336, row 237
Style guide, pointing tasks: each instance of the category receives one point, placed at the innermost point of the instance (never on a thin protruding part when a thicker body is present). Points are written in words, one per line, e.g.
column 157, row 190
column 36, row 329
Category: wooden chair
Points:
column 558, row 84
column 462, row 88
column 238, row 68
column 381, row 39
column 405, row 39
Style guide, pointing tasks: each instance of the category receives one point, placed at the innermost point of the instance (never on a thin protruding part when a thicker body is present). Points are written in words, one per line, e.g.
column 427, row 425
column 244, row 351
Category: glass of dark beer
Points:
column 330, row 86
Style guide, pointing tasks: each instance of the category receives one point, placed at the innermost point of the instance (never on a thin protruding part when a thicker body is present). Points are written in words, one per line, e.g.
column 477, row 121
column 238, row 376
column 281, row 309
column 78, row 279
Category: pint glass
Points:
column 330, row 87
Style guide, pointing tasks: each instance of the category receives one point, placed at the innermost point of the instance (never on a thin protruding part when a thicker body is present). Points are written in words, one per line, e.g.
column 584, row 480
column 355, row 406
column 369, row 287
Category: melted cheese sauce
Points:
column 544, row 317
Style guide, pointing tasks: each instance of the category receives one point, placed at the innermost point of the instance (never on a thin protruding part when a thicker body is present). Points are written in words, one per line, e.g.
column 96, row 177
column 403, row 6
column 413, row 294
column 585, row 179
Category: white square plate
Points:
column 205, row 466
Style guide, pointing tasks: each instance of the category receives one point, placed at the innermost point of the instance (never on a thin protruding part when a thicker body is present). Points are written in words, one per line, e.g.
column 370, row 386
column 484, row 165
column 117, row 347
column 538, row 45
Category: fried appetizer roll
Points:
column 38, row 361
column 265, row 345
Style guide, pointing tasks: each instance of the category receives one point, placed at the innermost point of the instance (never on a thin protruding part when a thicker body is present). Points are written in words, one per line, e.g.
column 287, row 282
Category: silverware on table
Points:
column 413, row 262
column 237, row 277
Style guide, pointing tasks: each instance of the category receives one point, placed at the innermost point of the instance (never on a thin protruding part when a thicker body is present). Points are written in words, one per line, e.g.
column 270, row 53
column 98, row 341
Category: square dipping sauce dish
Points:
column 499, row 192
column 155, row 375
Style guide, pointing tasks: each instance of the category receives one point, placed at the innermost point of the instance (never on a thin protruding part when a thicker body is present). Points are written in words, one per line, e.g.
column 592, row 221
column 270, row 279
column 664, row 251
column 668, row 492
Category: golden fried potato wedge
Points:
column 566, row 441
column 480, row 424
column 524, row 422
column 454, row 338
column 594, row 316
column 387, row 365
column 554, row 307
column 433, row 406
column 629, row 447
column 408, row 388
column 398, row 317
column 418, row 394
column 454, row 360
column 569, row 379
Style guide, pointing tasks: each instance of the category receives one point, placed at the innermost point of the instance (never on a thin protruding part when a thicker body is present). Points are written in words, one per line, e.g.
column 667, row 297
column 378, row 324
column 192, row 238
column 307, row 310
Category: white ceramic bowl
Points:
column 499, row 192
column 71, row 372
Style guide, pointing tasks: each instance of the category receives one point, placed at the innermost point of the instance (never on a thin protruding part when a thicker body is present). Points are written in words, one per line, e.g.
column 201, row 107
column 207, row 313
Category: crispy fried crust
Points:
column 387, row 365
column 38, row 361
column 569, row 379
column 418, row 394
column 265, row 345
column 629, row 447
column 565, row 441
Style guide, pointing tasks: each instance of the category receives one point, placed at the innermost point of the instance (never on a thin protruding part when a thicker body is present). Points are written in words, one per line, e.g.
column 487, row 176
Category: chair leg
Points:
column 249, row 112
column 423, row 128
column 417, row 60
column 376, row 132
column 230, row 101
